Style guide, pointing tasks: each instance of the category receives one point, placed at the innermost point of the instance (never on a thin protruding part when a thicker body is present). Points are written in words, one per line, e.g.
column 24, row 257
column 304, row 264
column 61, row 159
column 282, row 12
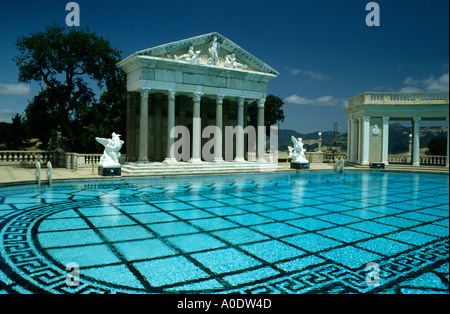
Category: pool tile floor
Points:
column 272, row 233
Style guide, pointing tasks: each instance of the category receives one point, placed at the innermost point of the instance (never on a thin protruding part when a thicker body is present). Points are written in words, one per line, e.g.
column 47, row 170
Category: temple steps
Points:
column 201, row 167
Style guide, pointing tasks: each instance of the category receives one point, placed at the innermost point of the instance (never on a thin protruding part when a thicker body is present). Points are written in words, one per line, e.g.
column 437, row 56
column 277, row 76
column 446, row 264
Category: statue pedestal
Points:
column 109, row 171
column 299, row 165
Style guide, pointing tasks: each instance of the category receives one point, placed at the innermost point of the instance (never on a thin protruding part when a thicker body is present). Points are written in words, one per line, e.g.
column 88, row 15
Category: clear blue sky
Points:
column 323, row 49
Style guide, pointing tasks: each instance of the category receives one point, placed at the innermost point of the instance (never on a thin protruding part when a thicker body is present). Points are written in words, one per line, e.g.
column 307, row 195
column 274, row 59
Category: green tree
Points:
column 63, row 62
column 273, row 112
column 437, row 146
column 15, row 134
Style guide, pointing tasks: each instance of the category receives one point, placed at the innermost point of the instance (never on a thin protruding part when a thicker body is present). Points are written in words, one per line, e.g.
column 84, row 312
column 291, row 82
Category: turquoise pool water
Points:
column 271, row 233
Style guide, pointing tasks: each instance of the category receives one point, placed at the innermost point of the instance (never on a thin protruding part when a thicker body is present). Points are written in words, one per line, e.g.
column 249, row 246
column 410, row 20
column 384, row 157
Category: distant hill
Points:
column 398, row 138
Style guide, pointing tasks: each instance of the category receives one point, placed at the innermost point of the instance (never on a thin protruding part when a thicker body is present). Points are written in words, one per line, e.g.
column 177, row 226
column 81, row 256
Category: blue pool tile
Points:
column 283, row 204
column 197, row 286
column 372, row 227
column 205, row 203
column 412, row 237
column 225, row 211
column 99, row 211
column 226, row 260
column 138, row 208
column 144, row 249
column 299, row 263
column 173, row 228
column 192, row 214
column 111, row 221
column 312, row 242
column 345, row 234
column 250, row 275
column 334, row 207
column 309, row 211
column 351, row 257
column 256, row 207
column 84, row 256
column 419, row 217
column 249, row 219
column 339, row 219
column 432, row 229
column 171, row 270
column 67, row 238
column 310, row 224
column 383, row 246
column 210, row 224
column 240, row 235
column 174, row 206
column 114, row 274
column 148, row 218
column 62, row 224
column 397, row 222
column 281, row 215
column 125, row 233
column 272, row 251
column 278, row 229
column 363, row 213
column 196, row 242
column 235, row 201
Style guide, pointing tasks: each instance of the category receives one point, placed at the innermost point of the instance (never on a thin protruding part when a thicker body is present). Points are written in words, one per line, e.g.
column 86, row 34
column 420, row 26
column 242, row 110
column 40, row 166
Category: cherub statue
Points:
column 111, row 154
column 297, row 153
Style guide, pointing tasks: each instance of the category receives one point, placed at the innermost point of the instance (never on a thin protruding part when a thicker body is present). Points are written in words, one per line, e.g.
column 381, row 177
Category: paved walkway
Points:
column 13, row 175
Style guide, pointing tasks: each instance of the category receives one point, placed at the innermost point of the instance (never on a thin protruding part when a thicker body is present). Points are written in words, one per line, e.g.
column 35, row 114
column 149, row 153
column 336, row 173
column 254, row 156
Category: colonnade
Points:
column 196, row 127
column 358, row 147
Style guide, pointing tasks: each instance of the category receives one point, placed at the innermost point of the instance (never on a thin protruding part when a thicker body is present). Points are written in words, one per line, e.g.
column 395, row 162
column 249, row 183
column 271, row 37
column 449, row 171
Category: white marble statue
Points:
column 111, row 154
column 192, row 56
column 297, row 153
column 214, row 52
column 230, row 62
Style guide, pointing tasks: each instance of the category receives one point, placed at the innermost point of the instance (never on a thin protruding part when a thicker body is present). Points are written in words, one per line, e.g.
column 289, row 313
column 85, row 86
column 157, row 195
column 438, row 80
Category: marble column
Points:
column 143, row 127
column 385, row 133
column 365, row 141
column 416, row 142
column 240, row 131
column 170, row 154
column 219, row 124
column 261, row 139
column 360, row 126
column 354, row 142
column 196, row 129
column 448, row 136
column 349, row 139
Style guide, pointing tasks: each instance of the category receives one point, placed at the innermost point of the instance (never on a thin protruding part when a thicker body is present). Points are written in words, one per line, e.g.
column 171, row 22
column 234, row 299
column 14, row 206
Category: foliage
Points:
column 273, row 112
column 437, row 146
column 64, row 62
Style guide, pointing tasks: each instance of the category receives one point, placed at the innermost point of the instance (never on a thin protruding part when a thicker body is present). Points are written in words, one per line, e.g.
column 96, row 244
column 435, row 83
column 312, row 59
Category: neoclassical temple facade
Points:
column 202, row 81
column 368, row 122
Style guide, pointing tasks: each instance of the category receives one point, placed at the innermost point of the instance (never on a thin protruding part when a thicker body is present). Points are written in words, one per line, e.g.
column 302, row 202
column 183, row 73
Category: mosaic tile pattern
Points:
column 273, row 233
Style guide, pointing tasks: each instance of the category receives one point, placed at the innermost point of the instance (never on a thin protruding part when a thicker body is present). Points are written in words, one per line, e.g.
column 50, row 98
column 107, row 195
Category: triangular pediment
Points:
column 200, row 50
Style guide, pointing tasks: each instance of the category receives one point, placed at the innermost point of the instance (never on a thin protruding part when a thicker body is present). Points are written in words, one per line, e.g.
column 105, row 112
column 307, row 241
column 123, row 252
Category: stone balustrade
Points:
column 399, row 98
column 68, row 160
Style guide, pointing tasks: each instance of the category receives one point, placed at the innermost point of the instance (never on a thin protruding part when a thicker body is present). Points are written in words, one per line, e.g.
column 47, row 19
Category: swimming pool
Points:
column 269, row 233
